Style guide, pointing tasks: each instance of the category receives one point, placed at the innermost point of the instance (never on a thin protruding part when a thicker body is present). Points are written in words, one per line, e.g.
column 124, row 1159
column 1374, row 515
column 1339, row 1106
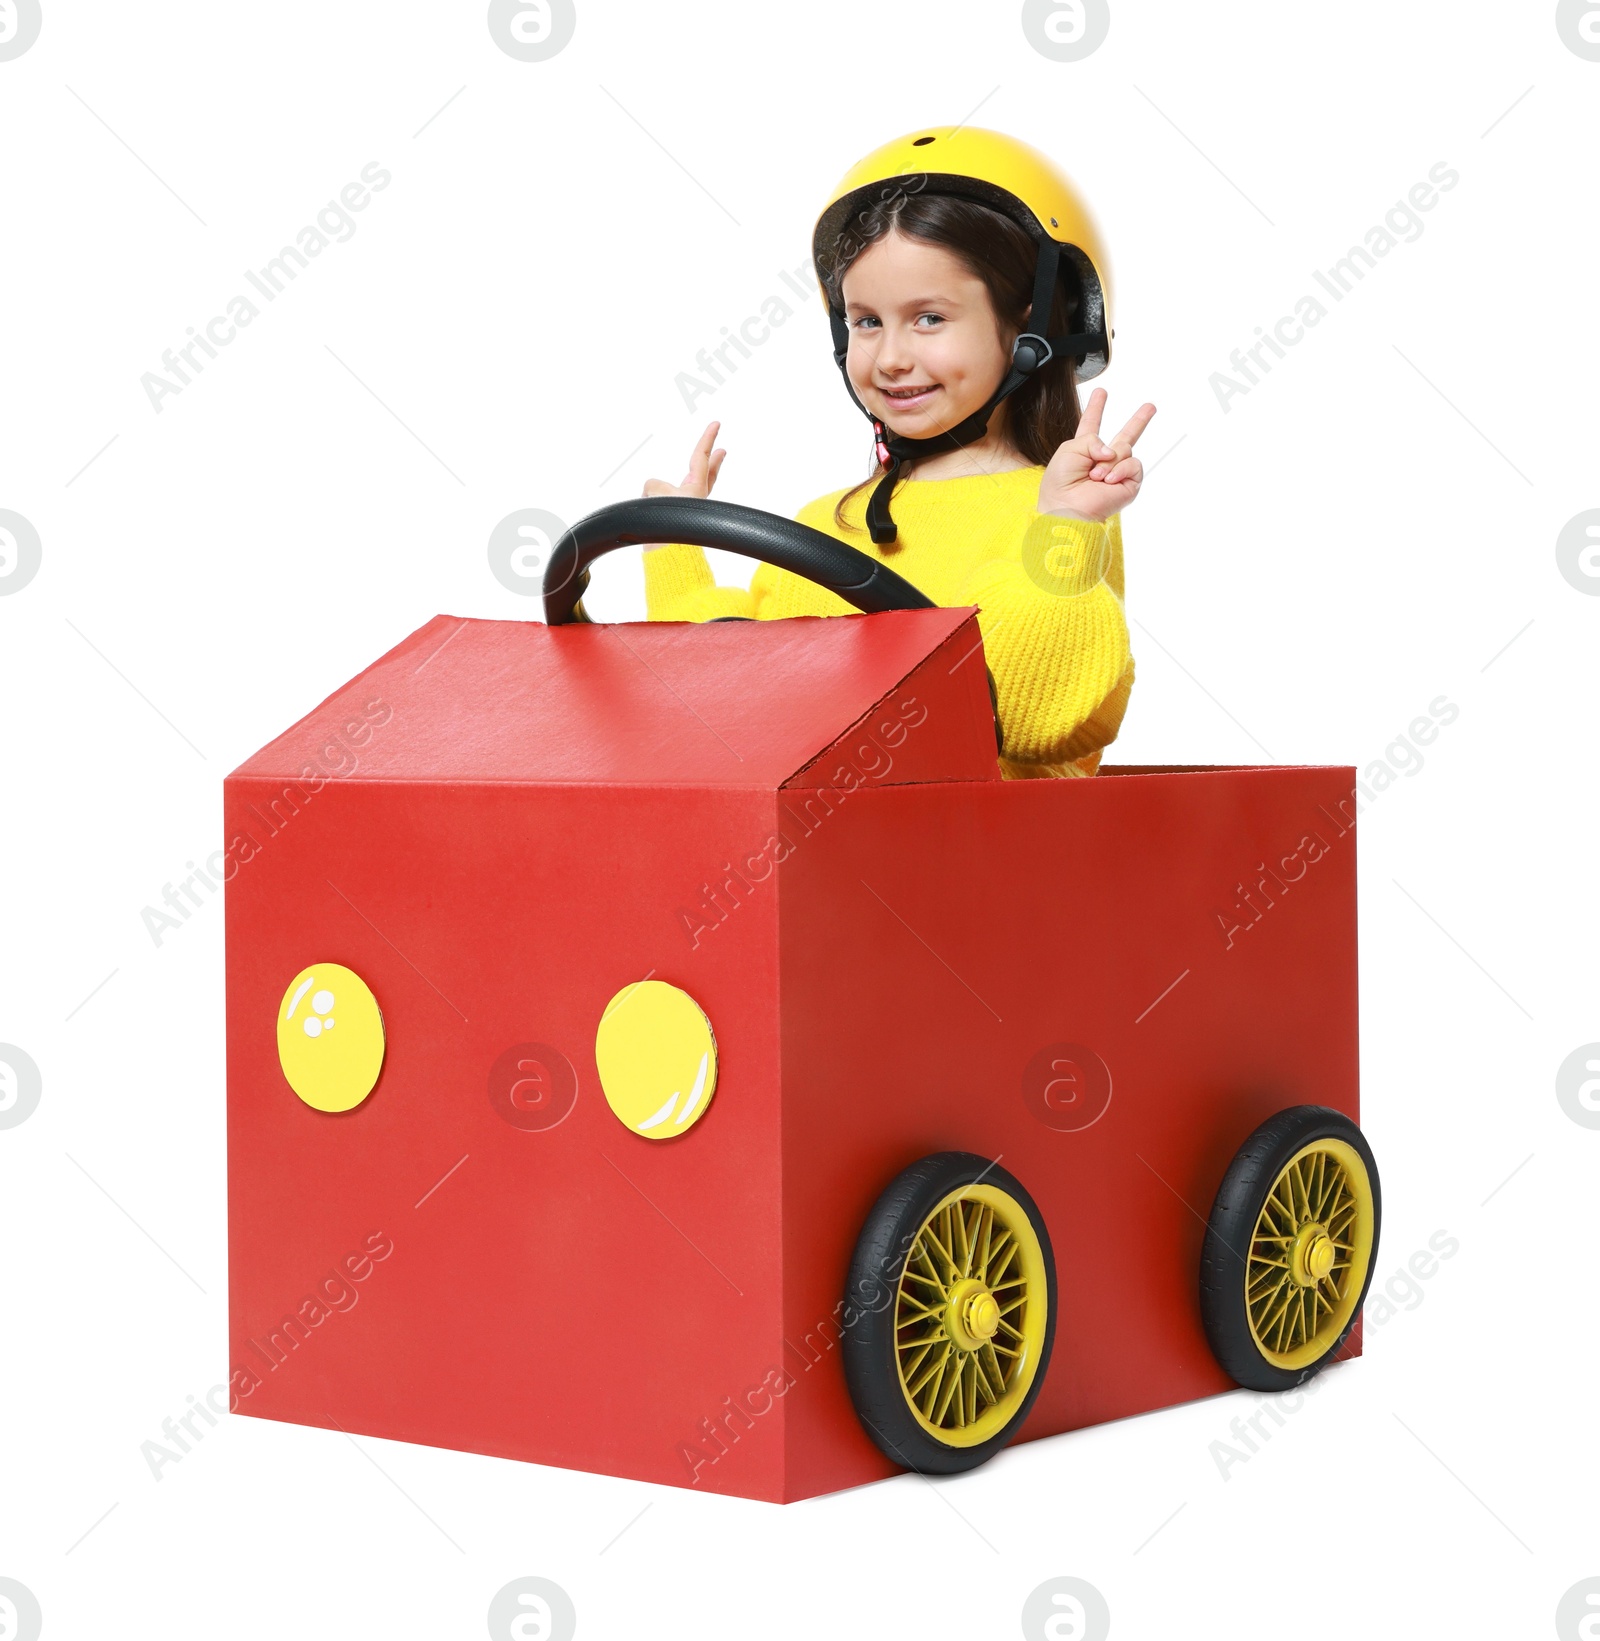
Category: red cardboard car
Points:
column 672, row 1051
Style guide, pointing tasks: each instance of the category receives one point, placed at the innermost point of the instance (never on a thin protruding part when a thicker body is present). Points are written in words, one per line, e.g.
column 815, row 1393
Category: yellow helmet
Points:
column 1002, row 173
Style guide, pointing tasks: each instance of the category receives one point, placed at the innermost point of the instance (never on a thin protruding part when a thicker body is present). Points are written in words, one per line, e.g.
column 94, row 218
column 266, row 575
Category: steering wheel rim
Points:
column 785, row 543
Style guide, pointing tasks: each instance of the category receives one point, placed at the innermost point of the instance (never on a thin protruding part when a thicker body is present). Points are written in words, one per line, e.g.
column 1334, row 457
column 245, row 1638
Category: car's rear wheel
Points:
column 951, row 1313
column 1290, row 1247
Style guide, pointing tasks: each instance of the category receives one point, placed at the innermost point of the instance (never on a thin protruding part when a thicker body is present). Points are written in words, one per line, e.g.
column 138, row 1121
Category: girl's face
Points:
column 926, row 349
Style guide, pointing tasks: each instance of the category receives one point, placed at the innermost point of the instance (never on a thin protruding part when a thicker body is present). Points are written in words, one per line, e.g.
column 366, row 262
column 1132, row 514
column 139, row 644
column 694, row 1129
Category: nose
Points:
column 894, row 351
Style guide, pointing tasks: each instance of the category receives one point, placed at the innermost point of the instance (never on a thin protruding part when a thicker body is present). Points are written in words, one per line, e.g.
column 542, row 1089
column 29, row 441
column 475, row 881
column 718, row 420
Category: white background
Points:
column 1371, row 527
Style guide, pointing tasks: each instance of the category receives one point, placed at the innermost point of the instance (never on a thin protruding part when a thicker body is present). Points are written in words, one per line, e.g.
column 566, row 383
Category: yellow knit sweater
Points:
column 1049, row 592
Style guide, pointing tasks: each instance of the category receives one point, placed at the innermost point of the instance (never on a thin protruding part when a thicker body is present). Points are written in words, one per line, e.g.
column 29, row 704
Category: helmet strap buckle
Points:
column 880, row 439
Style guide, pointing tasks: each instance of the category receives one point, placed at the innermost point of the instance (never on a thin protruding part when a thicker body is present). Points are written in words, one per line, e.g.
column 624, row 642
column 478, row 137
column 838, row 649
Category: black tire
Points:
column 873, row 1309
column 1230, row 1242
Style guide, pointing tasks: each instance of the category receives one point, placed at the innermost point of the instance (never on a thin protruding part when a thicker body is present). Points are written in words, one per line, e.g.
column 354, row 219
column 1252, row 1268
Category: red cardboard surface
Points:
column 883, row 961
column 937, row 724
column 734, row 703
column 576, row 1295
column 935, row 939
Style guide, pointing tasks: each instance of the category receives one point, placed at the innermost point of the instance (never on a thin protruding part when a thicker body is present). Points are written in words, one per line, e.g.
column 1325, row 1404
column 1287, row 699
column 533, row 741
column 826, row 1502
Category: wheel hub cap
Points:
column 1313, row 1256
column 972, row 1315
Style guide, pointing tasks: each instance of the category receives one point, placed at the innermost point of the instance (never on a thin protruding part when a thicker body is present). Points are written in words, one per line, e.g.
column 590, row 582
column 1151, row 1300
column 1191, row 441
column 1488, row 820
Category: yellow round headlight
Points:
column 330, row 1037
column 657, row 1059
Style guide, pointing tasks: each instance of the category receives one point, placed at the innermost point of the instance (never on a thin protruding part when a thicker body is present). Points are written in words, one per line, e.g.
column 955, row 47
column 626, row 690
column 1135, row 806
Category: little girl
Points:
column 954, row 264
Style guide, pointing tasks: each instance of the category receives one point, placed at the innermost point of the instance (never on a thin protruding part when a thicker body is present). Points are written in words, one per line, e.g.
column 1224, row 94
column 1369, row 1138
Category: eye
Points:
column 865, row 321
column 937, row 318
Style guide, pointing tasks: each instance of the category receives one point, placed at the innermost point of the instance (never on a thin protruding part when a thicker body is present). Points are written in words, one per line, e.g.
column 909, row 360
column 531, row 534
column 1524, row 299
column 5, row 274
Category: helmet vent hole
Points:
column 922, row 142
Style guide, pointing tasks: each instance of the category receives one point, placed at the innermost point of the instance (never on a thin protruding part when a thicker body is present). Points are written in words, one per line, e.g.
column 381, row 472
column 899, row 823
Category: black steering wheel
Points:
column 857, row 579
column 785, row 543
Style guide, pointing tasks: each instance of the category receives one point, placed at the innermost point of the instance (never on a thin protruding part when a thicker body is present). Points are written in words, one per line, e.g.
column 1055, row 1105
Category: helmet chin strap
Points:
column 1029, row 352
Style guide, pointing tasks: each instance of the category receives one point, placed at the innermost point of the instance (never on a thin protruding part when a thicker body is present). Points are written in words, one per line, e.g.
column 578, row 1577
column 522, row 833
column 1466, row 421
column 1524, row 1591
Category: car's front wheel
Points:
column 951, row 1313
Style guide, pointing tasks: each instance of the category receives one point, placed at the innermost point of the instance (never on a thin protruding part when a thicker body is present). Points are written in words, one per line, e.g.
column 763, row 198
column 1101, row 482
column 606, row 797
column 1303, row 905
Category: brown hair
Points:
column 1043, row 413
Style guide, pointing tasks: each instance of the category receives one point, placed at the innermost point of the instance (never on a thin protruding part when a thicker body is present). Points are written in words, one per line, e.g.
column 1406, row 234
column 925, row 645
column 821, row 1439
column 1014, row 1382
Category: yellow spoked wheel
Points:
column 970, row 1315
column 1289, row 1249
column 951, row 1313
column 1312, row 1243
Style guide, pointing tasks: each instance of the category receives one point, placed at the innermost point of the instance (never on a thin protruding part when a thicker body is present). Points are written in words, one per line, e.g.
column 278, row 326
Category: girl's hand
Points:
column 704, row 465
column 1090, row 479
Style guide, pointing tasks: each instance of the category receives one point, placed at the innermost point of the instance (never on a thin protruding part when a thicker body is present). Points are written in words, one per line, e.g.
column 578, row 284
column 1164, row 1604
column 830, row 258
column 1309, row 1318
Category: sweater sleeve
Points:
column 1056, row 639
column 678, row 586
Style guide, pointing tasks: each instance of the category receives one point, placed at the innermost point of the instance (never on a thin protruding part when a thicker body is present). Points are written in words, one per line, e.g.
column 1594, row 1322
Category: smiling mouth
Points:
column 907, row 395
